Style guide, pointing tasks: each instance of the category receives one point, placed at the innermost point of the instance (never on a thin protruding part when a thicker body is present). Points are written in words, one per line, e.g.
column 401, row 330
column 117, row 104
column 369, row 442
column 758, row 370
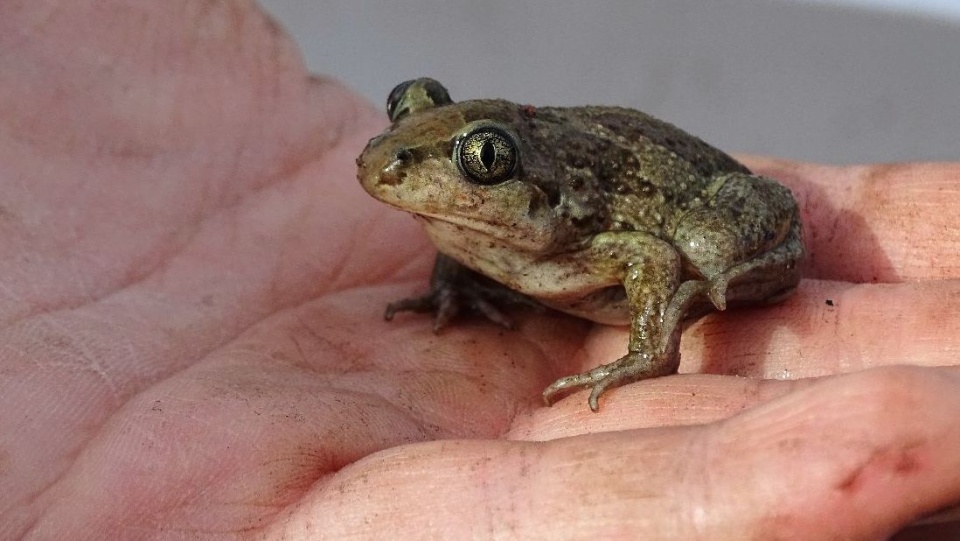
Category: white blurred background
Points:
column 836, row 81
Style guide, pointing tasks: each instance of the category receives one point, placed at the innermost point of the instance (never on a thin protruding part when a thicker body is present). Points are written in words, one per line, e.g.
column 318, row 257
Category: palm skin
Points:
column 192, row 285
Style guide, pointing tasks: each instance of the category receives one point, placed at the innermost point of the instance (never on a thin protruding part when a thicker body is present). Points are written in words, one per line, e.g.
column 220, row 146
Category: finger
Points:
column 878, row 223
column 830, row 328
column 686, row 399
column 825, row 328
column 854, row 457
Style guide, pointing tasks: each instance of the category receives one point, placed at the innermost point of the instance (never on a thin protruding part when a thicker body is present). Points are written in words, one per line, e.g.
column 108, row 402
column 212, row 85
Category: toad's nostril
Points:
column 390, row 177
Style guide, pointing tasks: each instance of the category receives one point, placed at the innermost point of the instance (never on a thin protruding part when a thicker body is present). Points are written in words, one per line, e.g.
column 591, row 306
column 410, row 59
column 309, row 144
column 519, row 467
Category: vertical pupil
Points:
column 488, row 154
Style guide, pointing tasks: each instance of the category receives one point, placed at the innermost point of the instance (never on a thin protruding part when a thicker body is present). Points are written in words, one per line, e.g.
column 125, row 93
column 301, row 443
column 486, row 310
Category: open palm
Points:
column 192, row 285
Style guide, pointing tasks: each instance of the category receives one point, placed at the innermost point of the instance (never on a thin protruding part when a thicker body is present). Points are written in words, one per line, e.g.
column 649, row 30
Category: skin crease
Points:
column 192, row 284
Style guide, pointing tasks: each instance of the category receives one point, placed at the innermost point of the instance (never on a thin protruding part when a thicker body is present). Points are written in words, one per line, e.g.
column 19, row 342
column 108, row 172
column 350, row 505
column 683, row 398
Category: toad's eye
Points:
column 415, row 95
column 486, row 155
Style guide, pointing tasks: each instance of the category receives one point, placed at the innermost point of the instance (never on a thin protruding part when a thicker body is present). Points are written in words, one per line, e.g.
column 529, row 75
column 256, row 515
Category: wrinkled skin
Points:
column 192, row 285
column 611, row 215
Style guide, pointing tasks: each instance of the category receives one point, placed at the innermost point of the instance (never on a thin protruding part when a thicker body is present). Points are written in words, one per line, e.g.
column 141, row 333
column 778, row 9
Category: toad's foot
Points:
column 455, row 289
column 714, row 289
column 447, row 300
column 633, row 366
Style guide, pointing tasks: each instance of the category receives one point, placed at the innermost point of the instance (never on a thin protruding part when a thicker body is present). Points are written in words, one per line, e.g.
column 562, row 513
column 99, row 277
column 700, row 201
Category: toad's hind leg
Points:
column 744, row 246
column 746, row 243
column 650, row 270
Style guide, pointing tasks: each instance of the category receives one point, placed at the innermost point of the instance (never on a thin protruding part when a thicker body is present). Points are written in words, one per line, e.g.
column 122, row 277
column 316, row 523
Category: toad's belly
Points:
column 563, row 282
column 608, row 306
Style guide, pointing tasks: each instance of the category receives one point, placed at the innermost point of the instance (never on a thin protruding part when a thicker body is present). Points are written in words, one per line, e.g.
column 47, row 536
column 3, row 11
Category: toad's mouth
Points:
column 472, row 223
column 453, row 229
column 466, row 225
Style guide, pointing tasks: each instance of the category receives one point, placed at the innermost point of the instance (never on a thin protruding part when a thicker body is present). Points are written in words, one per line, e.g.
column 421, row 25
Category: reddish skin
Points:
column 192, row 283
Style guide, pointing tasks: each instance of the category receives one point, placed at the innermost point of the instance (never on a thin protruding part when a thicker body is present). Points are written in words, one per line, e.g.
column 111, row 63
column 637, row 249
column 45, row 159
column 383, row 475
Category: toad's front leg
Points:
column 455, row 288
column 650, row 270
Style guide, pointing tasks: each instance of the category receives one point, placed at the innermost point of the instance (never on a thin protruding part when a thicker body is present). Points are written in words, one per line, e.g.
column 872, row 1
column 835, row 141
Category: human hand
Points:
column 192, row 290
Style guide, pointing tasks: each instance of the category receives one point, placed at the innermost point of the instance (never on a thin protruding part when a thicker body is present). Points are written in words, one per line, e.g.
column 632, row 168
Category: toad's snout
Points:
column 377, row 169
column 392, row 173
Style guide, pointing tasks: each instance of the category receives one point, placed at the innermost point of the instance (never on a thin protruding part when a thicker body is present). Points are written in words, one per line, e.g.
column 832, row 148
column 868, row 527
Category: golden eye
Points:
column 486, row 155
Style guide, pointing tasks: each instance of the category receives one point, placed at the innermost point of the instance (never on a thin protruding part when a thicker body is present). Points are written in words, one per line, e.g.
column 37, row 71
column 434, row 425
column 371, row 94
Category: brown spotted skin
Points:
column 602, row 212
